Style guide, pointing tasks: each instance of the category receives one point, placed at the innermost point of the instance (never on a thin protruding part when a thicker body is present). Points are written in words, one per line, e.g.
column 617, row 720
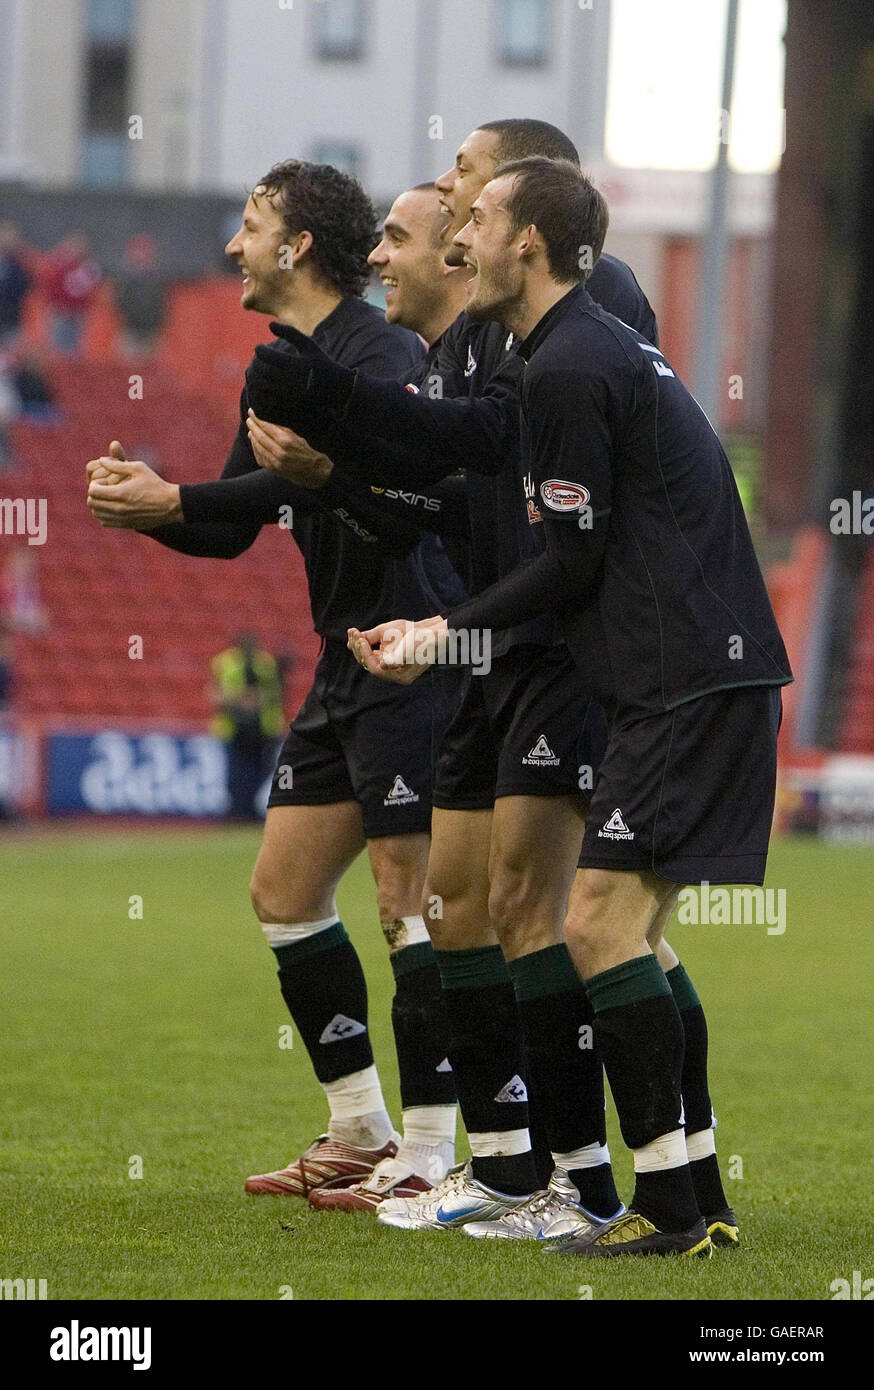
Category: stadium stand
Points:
column 99, row 587
column 857, row 732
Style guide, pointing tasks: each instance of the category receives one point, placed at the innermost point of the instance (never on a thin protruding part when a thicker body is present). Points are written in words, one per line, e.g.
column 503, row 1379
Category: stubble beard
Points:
column 492, row 300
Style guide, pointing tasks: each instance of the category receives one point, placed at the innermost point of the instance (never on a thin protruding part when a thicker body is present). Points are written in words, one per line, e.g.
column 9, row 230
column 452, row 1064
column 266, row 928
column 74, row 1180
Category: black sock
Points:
column 323, row 985
column 564, row 1066
column 640, row 1034
column 666, row 1197
column 541, row 1153
column 709, row 1192
column 421, row 1030
column 486, row 1055
column 696, row 1092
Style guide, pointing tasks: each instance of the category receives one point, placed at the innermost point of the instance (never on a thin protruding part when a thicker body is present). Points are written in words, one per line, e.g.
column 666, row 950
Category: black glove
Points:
column 292, row 388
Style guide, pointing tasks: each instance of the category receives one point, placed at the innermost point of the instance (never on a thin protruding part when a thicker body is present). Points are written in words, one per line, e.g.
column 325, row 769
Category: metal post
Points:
column 715, row 249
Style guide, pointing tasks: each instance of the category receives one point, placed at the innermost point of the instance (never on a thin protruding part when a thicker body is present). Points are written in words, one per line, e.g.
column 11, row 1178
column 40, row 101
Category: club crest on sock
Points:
column 341, row 1028
column 515, row 1090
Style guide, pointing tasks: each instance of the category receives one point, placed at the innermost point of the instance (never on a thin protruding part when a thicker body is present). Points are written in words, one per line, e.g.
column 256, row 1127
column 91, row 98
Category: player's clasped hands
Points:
column 127, row 493
column 287, row 453
column 399, row 650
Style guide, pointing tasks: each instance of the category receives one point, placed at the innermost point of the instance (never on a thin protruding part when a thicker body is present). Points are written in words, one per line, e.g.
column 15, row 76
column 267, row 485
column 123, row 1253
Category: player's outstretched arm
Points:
column 437, row 436
column 568, row 412
column 397, row 519
column 251, row 496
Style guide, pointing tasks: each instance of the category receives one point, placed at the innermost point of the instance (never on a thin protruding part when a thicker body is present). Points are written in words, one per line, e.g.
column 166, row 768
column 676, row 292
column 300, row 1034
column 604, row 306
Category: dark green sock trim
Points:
column 314, row 945
column 410, row 958
column 483, row 965
column 633, row 980
column 684, row 992
column 550, row 971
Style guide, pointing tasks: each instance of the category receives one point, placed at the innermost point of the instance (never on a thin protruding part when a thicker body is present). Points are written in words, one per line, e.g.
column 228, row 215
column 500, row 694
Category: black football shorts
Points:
column 524, row 729
column 689, row 793
column 358, row 738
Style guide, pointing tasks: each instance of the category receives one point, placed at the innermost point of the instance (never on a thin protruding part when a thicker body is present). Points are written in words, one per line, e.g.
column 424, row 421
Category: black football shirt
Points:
column 363, row 563
column 648, row 565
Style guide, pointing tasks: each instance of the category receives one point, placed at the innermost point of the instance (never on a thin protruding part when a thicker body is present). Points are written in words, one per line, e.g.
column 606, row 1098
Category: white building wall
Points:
column 226, row 87
column 42, row 46
column 424, row 58
column 167, row 91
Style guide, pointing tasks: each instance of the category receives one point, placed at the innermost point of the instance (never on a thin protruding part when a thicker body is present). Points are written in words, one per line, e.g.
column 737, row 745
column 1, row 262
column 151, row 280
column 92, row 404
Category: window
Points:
column 103, row 161
column 105, row 148
column 342, row 156
column 523, row 32
column 340, row 26
column 109, row 21
column 106, row 71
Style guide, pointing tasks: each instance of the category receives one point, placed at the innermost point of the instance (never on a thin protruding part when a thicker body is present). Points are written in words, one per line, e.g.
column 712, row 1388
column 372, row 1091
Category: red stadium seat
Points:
column 99, row 587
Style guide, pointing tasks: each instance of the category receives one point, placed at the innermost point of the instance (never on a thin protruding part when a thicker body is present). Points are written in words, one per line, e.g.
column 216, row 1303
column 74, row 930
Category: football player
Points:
column 649, row 561
column 355, row 770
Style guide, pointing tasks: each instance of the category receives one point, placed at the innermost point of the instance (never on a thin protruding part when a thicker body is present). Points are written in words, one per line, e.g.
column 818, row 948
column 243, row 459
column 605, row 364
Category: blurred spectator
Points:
column 5, row 705
column 15, row 281
column 34, row 396
column 21, row 607
column 249, row 718
column 71, row 281
column 8, row 409
column 139, row 294
column 5, row 669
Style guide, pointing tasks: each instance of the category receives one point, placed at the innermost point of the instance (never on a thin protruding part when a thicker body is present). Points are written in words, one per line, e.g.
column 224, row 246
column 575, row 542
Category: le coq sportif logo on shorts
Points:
column 541, row 754
column 400, row 794
column 615, row 828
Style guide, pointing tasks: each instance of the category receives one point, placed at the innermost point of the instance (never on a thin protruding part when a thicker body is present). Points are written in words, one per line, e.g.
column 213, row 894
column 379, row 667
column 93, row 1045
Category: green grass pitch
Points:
column 158, row 1040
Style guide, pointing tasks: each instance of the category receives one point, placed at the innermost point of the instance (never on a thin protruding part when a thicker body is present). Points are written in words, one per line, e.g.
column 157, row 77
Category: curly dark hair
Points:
column 332, row 206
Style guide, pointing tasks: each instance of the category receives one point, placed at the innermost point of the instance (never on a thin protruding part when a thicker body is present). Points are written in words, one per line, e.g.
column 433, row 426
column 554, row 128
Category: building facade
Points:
column 206, row 94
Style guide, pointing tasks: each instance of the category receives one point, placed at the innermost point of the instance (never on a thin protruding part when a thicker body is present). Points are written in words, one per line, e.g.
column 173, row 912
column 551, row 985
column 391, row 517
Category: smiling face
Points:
column 462, row 184
column 490, row 248
column 409, row 259
column 255, row 246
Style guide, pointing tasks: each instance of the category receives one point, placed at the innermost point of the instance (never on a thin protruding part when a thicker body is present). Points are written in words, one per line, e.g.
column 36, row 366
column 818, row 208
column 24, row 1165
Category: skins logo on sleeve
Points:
column 560, row 496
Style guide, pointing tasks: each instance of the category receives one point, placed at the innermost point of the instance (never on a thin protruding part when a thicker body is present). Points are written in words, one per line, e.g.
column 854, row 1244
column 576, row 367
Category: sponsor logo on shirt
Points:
column 659, row 362
column 412, row 499
column 414, row 389
column 400, row 794
column 615, row 828
column 560, row 496
column 541, row 755
column 349, row 520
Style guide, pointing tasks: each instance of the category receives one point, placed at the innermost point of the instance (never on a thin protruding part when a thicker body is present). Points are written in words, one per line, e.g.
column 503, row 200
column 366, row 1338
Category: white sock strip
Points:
column 354, row 1095
column 500, row 1144
column 429, row 1124
column 592, row 1156
column 287, row 933
column 415, row 932
column 700, row 1145
column 668, row 1151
